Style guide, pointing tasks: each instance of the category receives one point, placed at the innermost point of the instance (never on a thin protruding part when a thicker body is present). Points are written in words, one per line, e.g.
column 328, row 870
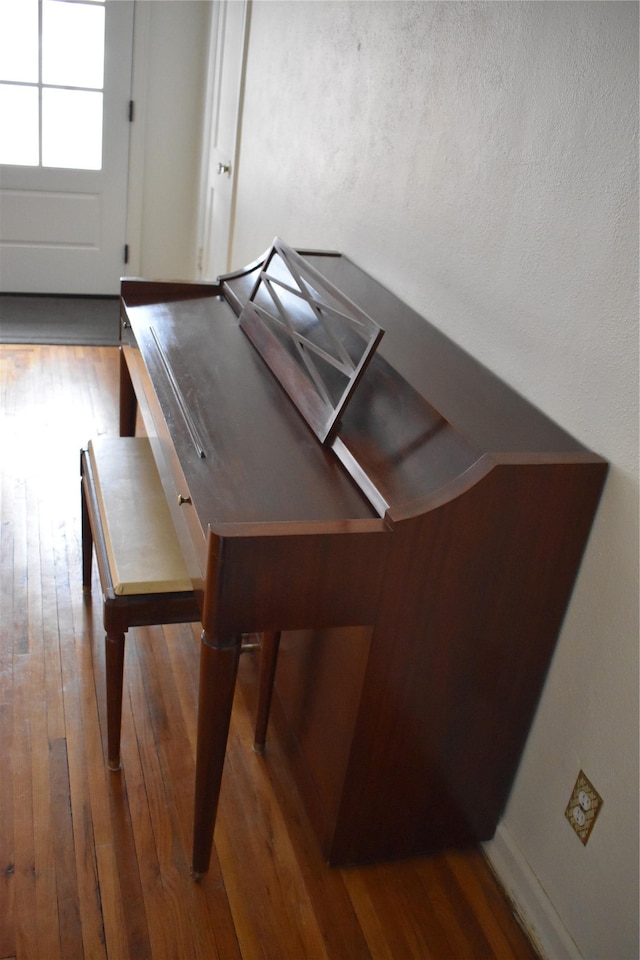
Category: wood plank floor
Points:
column 96, row 864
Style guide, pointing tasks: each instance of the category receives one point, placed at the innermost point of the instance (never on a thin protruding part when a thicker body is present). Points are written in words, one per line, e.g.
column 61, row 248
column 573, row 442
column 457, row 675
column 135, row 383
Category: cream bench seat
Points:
column 144, row 580
column 143, row 576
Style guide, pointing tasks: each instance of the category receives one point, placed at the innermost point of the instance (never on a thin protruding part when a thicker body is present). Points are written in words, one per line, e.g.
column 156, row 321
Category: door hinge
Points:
column 126, row 253
column 131, row 111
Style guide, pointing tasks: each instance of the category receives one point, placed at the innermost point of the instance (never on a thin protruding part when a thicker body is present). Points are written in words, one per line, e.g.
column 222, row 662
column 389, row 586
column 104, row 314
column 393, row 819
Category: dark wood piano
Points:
column 340, row 471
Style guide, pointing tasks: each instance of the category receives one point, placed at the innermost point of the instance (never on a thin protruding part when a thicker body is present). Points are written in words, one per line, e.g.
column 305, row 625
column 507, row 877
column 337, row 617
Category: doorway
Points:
column 65, row 87
column 227, row 60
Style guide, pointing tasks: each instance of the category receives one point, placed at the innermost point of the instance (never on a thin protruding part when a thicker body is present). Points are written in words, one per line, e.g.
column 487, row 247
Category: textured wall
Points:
column 481, row 159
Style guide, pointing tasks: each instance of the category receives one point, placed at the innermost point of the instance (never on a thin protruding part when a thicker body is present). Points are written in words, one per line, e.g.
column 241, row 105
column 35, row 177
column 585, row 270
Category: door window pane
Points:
column 72, row 129
column 19, row 142
column 63, row 47
column 72, row 44
column 19, row 40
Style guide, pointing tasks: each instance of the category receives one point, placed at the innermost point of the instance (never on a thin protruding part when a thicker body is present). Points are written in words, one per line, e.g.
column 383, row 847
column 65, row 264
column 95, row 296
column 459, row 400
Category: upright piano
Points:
column 342, row 473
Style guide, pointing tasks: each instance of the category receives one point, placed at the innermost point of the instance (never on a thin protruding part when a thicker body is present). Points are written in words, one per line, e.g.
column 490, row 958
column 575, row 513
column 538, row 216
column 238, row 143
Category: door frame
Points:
column 211, row 94
column 139, row 80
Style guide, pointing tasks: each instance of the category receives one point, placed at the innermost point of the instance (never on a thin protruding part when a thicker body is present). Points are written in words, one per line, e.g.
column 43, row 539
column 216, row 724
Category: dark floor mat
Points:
column 83, row 321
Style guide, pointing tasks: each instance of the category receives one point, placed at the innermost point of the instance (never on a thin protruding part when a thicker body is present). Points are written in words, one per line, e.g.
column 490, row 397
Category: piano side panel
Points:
column 474, row 597
column 284, row 581
column 319, row 686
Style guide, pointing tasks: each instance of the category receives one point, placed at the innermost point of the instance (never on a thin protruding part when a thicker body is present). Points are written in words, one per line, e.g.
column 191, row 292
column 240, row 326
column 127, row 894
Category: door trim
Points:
column 211, row 93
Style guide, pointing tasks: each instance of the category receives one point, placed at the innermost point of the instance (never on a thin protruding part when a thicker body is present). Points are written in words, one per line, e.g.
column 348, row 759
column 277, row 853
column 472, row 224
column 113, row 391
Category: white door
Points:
column 227, row 56
column 64, row 142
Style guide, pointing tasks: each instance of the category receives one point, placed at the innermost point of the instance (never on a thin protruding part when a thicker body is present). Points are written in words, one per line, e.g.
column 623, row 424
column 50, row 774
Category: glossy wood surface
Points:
column 464, row 580
column 259, row 461
column 93, row 864
column 485, row 410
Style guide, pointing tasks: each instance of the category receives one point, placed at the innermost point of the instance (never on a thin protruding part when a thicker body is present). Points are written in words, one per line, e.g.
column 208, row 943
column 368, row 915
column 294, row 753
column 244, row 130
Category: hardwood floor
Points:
column 96, row 864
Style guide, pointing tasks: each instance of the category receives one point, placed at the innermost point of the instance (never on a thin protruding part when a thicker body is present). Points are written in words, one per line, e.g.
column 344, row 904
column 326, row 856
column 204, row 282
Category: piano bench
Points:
column 144, row 580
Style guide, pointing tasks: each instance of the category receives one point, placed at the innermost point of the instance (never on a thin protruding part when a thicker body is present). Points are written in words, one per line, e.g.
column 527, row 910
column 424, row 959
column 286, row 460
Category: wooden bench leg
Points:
column 87, row 543
column 218, row 672
column 269, row 647
column 114, row 645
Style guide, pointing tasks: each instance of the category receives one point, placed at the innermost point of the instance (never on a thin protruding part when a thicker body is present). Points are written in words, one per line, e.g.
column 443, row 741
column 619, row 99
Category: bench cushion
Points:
column 142, row 545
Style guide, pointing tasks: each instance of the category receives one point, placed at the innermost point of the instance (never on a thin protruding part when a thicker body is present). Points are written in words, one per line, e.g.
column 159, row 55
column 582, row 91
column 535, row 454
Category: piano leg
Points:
column 87, row 541
column 218, row 672
column 114, row 647
column 269, row 645
column 128, row 400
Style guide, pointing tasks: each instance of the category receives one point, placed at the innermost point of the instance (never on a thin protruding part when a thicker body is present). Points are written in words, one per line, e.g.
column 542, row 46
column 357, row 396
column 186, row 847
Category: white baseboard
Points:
column 535, row 910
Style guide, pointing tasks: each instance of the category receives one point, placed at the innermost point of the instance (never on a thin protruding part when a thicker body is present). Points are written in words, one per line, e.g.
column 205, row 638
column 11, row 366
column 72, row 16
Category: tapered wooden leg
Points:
column 128, row 400
column 87, row 544
column 114, row 664
column 270, row 643
column 218, row 672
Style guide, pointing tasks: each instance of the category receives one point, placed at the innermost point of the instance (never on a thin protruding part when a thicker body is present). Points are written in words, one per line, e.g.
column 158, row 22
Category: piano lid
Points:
column 318, row 344
column 408, row 422
column 492, row 416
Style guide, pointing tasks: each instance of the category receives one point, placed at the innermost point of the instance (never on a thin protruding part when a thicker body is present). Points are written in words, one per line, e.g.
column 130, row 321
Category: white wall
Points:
column 481, row 160
column 169, row 72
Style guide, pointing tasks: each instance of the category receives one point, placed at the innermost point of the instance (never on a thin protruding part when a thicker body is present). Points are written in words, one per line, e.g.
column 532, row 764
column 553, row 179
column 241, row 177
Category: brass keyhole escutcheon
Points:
column 182, row 499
